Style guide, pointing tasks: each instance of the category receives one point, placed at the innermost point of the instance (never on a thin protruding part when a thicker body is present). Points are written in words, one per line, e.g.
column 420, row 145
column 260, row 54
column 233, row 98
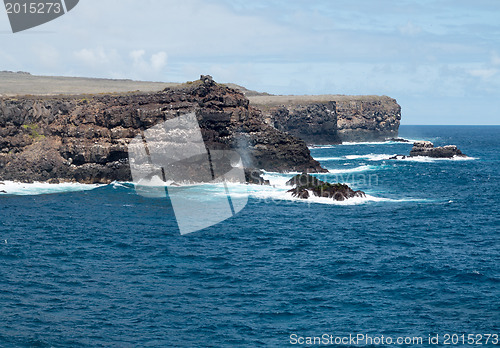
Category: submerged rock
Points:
column 254, row 176
column 398, row 140
column 306, row 184
column 426, row 148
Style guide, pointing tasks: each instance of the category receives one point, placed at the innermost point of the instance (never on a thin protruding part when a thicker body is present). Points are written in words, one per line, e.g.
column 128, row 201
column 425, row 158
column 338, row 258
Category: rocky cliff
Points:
column 330, row 119
column 85, row 138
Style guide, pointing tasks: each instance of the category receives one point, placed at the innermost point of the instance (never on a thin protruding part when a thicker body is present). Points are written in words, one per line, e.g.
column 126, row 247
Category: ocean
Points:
column 100, row 266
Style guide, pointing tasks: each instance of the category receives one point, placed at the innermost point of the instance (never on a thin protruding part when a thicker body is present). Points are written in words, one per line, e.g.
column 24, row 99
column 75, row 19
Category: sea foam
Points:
column 38, row 188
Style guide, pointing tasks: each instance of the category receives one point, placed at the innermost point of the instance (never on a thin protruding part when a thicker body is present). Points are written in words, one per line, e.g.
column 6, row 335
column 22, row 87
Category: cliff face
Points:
column 332, row 119
column 368, row 119
column 314, row 123
column 85, row 138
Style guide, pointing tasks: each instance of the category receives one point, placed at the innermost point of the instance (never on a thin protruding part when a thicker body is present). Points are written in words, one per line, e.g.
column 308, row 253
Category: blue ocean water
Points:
column 106, row 267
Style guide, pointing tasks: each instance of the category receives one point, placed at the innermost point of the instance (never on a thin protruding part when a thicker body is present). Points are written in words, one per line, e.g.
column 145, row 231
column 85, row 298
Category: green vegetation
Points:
column 33, row 129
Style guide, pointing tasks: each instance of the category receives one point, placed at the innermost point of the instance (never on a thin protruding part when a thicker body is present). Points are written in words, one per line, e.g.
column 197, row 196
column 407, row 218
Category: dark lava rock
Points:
column 306, row 184
column 313, row 123
column 398, row 140
column 254, row 176
column 398, row 157
column 426, row 148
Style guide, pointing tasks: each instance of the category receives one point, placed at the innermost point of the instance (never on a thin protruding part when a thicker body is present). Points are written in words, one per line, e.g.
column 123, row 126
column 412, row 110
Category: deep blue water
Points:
column 109, row 268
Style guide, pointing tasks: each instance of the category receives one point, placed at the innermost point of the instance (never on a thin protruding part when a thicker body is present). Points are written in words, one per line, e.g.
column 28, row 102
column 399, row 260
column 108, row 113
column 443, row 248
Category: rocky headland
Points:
column 332, row 119
column 67, row 137
column 84, row 138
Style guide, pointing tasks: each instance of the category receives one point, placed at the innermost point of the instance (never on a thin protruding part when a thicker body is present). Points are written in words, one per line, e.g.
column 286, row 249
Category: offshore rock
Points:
column 306, row 184
column 426, row 148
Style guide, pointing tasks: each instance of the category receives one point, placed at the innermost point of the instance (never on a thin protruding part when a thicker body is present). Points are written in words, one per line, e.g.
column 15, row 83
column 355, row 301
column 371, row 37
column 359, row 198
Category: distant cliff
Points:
column 330, row 119
column 85, row 138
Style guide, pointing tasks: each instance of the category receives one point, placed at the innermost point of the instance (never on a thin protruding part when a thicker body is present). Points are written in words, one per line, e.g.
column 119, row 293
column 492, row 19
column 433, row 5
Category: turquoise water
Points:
column 105, row 267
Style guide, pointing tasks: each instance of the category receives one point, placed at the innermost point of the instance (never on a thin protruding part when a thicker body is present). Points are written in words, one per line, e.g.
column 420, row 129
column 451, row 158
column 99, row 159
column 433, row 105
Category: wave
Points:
column 283, row 195
column 329, row 158
column 362, row 168
column 349, row 143
column 371, row 157
column 383, row 157
column 276, row 191
column 425, row 159
column 33, row 189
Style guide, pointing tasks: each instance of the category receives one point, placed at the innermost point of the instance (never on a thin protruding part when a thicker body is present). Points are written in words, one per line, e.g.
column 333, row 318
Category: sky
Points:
column 439, row 59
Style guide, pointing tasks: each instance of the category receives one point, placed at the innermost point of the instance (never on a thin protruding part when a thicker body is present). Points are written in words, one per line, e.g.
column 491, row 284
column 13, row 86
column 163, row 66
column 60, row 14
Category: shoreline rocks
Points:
column 306, row 184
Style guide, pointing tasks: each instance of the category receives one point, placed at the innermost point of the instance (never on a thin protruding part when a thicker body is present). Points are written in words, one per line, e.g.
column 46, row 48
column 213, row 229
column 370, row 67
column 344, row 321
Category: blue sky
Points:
column 440, row 59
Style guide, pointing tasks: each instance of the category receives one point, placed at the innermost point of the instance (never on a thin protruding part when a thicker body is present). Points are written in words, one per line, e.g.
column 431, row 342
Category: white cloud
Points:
column 484, row 74
column 97, row 56
column 410, row 29
column 159, row 61
column 495, row 58
column 47, row 55
column 154, row 64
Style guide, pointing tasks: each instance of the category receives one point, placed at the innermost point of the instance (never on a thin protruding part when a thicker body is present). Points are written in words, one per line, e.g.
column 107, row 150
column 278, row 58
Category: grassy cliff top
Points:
column 276, row 100
column 19, row 84
column 14, row 84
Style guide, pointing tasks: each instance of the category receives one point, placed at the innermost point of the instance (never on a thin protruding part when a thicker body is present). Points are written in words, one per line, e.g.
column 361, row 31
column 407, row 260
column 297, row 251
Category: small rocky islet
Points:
column 427, row 149
column 306, row 184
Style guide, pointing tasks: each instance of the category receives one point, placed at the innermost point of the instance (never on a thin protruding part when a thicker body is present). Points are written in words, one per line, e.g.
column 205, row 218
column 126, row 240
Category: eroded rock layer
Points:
column 332, row 119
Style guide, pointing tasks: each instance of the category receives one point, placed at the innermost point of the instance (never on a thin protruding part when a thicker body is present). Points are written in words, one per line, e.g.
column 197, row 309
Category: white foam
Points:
column 426, row 159
column 277, row 191
column 362, row 168
column 329, row 158
column 352, row 143
column 269, row 194
column 382, row 157
column 38, row 188
column 371, row 157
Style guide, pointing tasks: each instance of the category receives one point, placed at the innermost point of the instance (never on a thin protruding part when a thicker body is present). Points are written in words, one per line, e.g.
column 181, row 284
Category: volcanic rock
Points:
column 426, row 148
column 306, row 184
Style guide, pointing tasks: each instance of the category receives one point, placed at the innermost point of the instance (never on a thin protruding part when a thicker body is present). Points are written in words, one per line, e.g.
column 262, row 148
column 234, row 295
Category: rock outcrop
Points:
column 331, row 119
column 426, row 148
column 306, row 184
column 84, row 138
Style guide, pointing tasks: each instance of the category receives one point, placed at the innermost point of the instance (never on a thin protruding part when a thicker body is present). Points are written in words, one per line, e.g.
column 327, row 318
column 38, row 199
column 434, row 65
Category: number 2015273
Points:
column 33, row 8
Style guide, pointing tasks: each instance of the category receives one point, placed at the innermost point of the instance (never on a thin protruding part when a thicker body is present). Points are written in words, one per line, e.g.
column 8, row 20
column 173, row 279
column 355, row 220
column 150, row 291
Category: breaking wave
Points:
column 37, row 188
